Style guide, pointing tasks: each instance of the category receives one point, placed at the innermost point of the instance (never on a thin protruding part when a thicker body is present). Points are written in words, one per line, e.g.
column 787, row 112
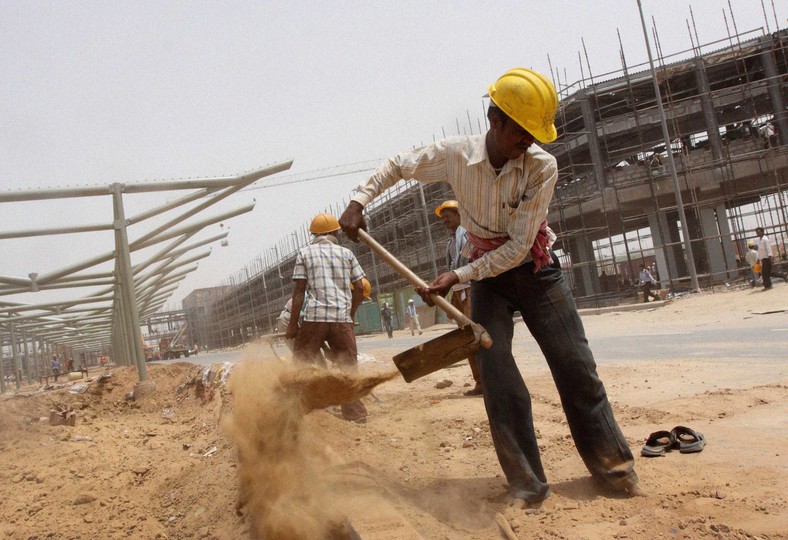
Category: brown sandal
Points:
column 658, row 443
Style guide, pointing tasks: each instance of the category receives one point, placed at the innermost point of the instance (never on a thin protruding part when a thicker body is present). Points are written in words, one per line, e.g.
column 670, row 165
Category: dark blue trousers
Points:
column 549, row 311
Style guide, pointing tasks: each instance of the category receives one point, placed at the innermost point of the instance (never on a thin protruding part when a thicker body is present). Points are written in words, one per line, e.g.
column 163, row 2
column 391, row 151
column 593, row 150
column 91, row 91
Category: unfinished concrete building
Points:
column 615, row 206
column 727, row 122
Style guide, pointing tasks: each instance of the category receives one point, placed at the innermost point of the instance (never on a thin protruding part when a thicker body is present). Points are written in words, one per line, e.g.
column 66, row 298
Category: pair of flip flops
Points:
column 687, row 440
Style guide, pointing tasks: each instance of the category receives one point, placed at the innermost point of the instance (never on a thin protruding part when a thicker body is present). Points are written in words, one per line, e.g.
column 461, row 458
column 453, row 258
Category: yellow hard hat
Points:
column 528, row 98
column 324, row 223
column 366, row 288
column 750, row 244
column 444, row 205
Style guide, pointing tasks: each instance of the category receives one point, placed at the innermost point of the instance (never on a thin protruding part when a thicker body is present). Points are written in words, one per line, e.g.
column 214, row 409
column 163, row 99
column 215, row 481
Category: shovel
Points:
column 440, row 352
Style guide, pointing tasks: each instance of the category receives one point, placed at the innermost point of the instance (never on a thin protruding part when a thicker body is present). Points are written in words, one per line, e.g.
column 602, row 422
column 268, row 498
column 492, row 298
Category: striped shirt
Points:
column 454, row 257
column 329, row 270
column 457, row 241
column 513, row 203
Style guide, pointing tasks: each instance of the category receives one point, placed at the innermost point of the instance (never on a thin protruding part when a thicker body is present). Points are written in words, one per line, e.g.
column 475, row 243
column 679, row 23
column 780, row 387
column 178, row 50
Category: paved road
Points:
column 762, row 338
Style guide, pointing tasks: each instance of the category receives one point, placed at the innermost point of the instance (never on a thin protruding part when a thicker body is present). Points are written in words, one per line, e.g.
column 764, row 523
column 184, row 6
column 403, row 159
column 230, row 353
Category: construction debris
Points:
column 62, row 417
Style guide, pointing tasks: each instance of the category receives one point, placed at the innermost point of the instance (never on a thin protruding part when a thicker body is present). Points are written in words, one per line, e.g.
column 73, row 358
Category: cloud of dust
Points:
column 283, row 488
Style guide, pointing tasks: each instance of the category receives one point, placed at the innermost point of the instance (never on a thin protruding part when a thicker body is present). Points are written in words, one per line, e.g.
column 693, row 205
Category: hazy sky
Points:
column 101, row 92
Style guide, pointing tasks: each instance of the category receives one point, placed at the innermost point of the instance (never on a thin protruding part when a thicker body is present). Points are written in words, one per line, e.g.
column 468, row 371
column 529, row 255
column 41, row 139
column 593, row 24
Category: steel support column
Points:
column 126, row 278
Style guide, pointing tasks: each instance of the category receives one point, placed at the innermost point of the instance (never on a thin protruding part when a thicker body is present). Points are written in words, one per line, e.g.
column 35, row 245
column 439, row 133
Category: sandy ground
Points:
column 423, row 466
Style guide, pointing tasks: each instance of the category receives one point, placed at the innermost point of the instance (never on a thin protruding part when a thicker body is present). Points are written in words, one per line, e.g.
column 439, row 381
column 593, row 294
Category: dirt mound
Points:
column 423, row 466
column 118, row 466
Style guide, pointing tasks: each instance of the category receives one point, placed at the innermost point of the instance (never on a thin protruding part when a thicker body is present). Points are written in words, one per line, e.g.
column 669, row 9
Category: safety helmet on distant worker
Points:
column 750, row 244
column 366, row 288
column 528, row 98
column 444, row 205
column 324, row 223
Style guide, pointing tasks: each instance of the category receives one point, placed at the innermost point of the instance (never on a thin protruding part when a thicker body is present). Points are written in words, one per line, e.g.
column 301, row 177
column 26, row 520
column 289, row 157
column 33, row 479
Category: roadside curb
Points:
column 445, row 327
column 624, row 307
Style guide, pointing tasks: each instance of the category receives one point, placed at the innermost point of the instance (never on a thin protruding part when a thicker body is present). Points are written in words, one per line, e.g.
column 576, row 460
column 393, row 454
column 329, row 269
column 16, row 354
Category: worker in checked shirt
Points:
column 329, row 279
column 504, row 183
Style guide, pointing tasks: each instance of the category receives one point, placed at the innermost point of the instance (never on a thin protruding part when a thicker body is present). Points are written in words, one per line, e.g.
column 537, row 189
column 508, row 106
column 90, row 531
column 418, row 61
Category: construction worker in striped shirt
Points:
column 460, row 293
column 503, row 184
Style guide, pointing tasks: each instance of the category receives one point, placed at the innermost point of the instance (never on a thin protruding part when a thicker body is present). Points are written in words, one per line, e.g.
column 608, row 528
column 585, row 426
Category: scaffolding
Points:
column 614, row 206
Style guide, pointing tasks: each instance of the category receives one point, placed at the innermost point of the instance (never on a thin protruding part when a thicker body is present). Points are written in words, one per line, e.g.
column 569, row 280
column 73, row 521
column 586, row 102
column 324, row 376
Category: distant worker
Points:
column 324, row 273
column 765, row 257
column 55, row 366
column 385, row 316
column 769, row 134
column 461, row 292
column 412, row 315
column 751, row 258
column 646, row 282
column 283, row 320
column 504, row 184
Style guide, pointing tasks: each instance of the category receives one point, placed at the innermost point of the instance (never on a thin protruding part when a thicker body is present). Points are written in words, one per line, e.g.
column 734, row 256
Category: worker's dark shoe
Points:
column 475, row 391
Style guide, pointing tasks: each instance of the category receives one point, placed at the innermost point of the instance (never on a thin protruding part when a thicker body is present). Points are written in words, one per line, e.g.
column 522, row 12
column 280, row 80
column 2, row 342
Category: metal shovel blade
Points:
column 437, row 353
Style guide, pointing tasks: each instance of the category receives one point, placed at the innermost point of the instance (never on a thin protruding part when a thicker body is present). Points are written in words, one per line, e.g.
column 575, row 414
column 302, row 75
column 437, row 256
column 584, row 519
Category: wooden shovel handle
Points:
column 416, row 281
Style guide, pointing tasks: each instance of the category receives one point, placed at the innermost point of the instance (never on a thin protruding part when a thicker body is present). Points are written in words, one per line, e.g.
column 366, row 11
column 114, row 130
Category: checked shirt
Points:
column 329, row 270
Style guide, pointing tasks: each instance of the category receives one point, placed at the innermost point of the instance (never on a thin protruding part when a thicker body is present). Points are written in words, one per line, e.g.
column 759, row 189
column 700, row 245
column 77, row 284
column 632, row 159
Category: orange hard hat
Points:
column 446, row 204
column 366, row 288
column 324, row 223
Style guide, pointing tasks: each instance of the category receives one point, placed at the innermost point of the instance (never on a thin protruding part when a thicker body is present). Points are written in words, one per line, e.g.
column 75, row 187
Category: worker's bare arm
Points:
column 352, row 219
column 440, row 286
column 295, row 310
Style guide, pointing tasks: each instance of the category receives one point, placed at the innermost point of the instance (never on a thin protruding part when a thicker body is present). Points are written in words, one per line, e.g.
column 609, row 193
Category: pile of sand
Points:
column 423, row 466
column 284, row 489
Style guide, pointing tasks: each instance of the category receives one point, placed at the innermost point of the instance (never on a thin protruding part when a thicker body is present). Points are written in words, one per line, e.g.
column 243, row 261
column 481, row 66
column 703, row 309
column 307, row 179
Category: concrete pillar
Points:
column 594, row 147
column 719, row 265
column 775, row 89
column 584, row 272
column 698, row 244
column 707, row 105
column 728, row 247
column 719, row 248
column 661, row 234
